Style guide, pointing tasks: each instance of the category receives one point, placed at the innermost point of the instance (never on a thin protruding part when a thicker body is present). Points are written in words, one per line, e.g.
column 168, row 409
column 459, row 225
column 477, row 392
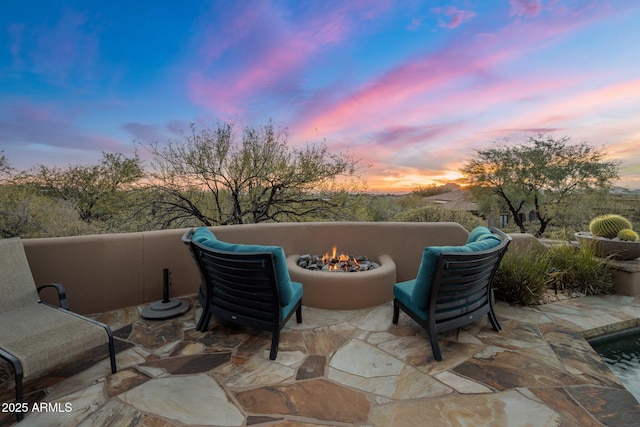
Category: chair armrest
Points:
column 501, row 234
column 62, row 295
column 186, row 237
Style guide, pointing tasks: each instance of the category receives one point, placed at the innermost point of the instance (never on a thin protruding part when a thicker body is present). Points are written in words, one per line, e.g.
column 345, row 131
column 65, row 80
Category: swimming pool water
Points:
column 621, row 352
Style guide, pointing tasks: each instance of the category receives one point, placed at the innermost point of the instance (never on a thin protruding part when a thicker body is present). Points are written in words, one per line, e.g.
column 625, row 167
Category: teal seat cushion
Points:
column 430, row 256
column 402, row 292
column 296, row 295
column 205, row 237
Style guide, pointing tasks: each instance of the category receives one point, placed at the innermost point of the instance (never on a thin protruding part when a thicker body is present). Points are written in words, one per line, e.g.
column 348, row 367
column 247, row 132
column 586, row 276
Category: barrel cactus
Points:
column 608, row 226
column 628, row 235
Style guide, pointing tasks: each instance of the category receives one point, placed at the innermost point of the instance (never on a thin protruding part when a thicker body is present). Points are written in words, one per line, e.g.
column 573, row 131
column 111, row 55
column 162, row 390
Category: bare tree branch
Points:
column 219, row 177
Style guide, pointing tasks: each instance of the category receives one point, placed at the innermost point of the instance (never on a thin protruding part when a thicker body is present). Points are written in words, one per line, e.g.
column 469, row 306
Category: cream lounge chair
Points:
column 35, row 336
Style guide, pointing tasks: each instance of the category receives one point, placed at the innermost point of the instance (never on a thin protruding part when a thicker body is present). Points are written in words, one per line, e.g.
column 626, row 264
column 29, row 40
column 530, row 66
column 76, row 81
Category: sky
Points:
column 411, row 88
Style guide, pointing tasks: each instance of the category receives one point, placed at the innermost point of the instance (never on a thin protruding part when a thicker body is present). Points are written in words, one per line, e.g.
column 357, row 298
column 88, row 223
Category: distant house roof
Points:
column 456, row 199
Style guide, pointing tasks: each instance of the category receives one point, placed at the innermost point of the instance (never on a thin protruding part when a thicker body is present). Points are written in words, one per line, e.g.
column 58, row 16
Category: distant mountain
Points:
column 623, row 190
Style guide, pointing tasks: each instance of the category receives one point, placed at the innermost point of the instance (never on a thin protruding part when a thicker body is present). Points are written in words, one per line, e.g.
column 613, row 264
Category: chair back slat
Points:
column 248, row 311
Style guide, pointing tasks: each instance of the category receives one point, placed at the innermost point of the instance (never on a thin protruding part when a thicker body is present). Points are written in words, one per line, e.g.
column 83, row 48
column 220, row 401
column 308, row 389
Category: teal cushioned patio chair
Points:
column 247, row 285
column 453, row 285
column 35, row 336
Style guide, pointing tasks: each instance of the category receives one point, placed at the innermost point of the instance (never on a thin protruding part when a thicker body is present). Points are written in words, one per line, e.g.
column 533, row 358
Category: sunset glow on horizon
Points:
column 410, row 87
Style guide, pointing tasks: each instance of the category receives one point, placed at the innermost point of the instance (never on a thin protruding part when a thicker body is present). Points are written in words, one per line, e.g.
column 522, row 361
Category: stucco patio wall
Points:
column 106, row 272
column 626, row 276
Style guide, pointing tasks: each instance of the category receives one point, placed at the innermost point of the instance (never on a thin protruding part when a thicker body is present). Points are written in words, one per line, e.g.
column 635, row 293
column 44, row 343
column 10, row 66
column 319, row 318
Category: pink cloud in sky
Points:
column 569, row 110
column 415, row 91
column 404, row 136
column 276, row 51
column 383, row 95
column 527, row 8
column 420, row 85
column 144, row 132
column 160, row 133
column 456, row 17
column 44, row 133
column 48, row 125
column 416, row 23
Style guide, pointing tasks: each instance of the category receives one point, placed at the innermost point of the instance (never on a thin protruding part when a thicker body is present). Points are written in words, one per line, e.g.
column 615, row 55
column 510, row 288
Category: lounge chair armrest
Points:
column 62, row 295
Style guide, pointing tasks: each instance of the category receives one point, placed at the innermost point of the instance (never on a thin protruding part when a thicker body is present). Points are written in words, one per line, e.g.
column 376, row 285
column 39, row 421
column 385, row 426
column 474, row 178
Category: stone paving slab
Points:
column 351, row 367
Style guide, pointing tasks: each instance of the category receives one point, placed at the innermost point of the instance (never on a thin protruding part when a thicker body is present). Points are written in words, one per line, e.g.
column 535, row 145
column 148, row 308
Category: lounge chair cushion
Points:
column 59, row 337
column 420, row 292
column 288, row 296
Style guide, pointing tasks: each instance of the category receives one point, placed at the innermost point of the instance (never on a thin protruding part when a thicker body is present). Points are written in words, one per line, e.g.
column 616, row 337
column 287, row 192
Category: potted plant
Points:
column 613, row 237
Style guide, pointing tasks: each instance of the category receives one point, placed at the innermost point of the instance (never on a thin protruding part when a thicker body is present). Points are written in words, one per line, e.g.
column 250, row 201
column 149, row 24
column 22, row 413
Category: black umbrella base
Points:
column 161, row 310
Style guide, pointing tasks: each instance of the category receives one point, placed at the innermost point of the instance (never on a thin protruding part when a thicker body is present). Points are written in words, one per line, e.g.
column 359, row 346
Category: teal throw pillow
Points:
column 479, row 233
column 486, row 243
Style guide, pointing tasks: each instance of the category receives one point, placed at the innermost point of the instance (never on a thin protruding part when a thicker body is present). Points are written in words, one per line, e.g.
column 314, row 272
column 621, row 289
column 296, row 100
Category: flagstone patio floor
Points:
column 342, row 368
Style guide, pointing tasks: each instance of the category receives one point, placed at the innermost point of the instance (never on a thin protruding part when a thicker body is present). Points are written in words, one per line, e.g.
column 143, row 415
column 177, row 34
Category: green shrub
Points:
column 439, row 214
column 579, row 270
column 25, row 213
column 522, row 278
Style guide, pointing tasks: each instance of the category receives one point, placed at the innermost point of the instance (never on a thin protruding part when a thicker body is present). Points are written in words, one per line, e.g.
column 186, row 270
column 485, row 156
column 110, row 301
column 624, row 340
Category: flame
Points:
column 332, row 260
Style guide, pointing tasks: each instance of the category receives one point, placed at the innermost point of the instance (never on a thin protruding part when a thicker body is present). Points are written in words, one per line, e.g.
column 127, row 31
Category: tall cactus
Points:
column 608, row 225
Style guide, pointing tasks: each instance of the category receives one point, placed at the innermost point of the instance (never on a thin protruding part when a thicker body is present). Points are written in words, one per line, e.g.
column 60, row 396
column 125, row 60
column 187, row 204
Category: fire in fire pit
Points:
column 336, row 262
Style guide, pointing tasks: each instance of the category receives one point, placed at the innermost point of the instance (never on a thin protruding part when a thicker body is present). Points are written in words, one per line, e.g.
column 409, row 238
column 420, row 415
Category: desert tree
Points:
column 220, row 176
column 97, row 192
column 545, row 172
column 26, row 212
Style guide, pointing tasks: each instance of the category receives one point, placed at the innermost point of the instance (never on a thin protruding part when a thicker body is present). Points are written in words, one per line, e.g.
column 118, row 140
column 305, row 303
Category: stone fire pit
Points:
column 345, row 291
